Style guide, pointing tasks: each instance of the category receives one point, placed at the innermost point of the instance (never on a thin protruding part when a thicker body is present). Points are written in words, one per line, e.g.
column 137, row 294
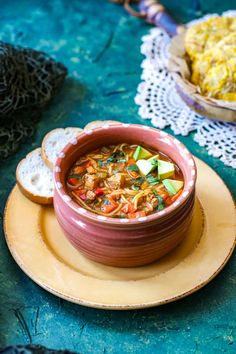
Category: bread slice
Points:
column 35, row 179
column 55, row 141
column 99, row 123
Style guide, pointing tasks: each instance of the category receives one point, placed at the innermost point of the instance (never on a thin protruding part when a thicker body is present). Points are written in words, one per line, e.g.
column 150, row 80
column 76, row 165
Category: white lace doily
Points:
column 160, row 102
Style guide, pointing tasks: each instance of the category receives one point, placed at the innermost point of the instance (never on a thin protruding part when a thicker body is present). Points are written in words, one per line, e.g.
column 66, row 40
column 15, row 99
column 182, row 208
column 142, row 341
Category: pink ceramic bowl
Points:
column 125, row 242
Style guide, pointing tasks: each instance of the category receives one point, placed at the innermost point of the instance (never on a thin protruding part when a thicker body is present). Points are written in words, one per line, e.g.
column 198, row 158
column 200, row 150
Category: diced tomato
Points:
column 125, row 208
column 73, row 181
column 168, row 201
column 132, row 208
column 99, row 192
column 131, row 162
column 128, row 208
column 109, row 206
column 136, row 215
column 176, row 196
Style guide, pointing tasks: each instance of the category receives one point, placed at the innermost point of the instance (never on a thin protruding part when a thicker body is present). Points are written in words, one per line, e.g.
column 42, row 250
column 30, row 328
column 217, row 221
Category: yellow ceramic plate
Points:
column 44, row 254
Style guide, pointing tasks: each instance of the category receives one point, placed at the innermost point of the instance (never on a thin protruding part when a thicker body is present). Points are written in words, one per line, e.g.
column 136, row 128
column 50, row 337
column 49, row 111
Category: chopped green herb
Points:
column 150, row 176
column 133, row 167
column 114, row 156
column 154, row 162
column 121, row 160
column 136, row 188
column 105, row 201
column 160, row 207
column 100, row 163
column 152, row 180
column 120, row 153
column 155, row 193
column 111, row 159
column 160, row 199
column 138, row 181
column 75, row 176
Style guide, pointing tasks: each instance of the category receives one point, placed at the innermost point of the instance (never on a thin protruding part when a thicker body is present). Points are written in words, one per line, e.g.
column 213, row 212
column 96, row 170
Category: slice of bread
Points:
column 35, row 179
column 99, row 123
column 55, row 141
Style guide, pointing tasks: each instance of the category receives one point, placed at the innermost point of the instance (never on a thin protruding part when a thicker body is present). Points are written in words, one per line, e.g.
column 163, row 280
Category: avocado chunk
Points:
column 141, row 153
column 145, row 166
column 172, row 185
column 165, row 169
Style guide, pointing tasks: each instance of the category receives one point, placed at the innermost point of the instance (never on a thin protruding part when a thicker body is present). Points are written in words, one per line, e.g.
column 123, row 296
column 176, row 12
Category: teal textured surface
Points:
column 100, row 45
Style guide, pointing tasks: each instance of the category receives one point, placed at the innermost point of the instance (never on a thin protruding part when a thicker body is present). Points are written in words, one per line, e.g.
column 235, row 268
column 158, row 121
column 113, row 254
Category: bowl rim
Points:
column 65, row 198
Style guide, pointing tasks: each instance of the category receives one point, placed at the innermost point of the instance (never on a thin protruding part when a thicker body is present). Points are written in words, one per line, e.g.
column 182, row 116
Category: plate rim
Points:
column 104, row 306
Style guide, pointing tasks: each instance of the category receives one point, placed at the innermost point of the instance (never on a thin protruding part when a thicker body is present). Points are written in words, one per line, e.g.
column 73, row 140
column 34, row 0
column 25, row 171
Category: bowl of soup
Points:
column 124, row 193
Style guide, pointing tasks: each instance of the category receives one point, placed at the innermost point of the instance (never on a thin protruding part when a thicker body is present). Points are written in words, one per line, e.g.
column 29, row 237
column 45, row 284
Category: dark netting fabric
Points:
column 32, row 349
column 28, row 81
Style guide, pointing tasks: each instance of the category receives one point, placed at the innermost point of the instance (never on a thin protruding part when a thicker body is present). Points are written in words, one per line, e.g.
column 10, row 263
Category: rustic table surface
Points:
column 100, row 45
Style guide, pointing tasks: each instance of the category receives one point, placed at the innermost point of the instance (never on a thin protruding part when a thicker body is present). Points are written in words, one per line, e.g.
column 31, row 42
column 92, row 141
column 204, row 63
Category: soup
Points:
column 124, row 181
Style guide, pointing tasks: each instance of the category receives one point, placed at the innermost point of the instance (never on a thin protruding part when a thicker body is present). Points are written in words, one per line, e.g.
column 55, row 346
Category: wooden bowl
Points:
column 125, row 242
column 179, row 68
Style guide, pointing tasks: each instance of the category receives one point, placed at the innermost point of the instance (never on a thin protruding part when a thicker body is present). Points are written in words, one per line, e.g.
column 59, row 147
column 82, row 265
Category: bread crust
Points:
column 43, row 148
column 44, row 155
column 33, row 197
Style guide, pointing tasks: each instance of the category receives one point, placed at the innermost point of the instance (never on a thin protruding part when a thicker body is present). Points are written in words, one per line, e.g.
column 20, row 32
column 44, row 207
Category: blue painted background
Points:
column 100, row 45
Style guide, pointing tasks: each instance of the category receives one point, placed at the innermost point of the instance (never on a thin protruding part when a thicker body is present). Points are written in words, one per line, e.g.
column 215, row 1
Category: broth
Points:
column 115, row 181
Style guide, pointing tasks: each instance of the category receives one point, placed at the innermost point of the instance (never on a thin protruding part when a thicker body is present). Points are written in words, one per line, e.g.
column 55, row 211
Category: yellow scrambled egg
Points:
column 211, row 47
